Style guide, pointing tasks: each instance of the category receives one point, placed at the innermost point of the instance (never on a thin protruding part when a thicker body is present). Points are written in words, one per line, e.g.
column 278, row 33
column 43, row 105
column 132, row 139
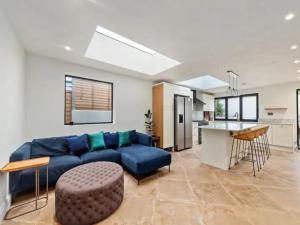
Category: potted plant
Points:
column 148, row 122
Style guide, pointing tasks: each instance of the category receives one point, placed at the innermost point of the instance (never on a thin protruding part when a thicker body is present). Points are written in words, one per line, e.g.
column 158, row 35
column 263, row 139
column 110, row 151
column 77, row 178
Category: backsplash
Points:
column 277, row 121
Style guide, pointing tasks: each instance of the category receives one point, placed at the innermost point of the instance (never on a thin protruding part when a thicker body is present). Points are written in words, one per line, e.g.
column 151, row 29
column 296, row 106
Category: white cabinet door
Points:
column 282, row 135
column 168, row 95
column 209, row 102
column 168, row 140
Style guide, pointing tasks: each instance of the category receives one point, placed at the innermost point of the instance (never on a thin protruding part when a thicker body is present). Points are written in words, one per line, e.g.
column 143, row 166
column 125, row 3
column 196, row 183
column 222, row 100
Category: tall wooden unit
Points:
column 163, row 111
column 157, row 108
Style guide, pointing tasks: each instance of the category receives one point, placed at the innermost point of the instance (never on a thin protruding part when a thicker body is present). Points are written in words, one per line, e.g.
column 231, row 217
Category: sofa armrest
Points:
column 22, row 153
column 144, row 139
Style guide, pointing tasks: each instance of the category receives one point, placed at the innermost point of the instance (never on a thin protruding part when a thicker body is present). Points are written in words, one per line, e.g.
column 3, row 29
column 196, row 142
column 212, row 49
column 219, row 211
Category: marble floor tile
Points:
column 197, row 194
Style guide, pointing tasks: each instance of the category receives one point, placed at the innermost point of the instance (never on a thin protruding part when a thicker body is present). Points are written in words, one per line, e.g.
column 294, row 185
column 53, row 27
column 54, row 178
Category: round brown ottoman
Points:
column 89, row 193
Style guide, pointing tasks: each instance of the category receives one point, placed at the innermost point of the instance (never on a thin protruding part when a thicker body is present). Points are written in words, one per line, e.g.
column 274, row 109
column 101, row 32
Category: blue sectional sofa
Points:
column 139, row 158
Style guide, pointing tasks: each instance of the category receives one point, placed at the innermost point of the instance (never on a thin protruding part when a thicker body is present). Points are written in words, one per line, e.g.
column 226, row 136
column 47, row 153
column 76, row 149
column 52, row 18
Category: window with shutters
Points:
column 88, row 101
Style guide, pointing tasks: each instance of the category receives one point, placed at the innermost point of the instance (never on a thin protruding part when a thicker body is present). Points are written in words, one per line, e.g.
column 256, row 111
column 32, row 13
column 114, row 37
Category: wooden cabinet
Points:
column 163, row 111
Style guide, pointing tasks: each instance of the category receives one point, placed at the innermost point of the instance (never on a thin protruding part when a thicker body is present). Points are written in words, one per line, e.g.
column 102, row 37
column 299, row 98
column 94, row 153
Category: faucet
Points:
column 237, row 116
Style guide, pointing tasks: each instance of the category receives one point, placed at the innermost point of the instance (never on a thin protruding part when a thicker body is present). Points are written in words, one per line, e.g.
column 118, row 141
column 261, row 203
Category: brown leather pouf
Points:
column 89, row 193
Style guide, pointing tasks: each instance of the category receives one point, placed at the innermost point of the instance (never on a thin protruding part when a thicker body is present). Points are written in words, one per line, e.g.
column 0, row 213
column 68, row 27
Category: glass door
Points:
column 298, row 117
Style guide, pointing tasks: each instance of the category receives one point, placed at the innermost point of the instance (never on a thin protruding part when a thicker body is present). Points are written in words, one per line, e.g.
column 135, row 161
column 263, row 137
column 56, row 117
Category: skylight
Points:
column 204, row 82
column 109, row 47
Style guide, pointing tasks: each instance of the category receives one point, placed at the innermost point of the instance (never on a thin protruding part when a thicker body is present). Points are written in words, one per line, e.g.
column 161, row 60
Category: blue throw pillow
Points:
column 53, row 146
column 133, row 137
column 78, row 145
column 111, row 140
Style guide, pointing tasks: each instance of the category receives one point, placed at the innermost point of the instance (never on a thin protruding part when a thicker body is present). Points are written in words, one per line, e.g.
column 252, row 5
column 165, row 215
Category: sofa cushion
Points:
column 96, row 141
column 104, row 155
column 142, row 160
column 78, row 144
column 133, row 137
column 53, row 146
column 111, row 140
column 57, row 166
column 124, row 138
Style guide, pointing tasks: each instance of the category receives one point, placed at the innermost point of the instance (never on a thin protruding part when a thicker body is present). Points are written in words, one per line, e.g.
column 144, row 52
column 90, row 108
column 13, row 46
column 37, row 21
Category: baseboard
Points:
column 280, row 148
column 4, row 207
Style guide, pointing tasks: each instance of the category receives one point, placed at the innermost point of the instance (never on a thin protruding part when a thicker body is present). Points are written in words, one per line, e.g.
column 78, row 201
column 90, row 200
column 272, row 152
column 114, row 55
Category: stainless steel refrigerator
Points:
column 183, row 122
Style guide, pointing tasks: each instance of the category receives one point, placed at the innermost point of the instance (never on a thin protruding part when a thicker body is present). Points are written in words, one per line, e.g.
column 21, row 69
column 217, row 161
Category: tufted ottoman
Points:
column 89, row 193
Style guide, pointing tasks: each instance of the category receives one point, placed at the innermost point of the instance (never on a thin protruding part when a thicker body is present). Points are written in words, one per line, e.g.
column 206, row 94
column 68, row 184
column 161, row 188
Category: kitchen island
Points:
column 217, row 141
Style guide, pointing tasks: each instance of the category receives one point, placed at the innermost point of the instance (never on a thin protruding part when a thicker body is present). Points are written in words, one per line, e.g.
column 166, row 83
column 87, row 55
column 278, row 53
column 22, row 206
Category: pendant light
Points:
column 232, row 89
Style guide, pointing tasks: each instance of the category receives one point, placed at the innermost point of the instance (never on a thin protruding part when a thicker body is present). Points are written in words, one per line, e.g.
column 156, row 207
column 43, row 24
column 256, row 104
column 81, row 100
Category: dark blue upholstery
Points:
column 111, row 140
column 57, row 166
column 78, row 144
column 142, row 160
column 139, row 158
column 22, row 153
column 143, row 139
column 101, row 155
column 53, row 146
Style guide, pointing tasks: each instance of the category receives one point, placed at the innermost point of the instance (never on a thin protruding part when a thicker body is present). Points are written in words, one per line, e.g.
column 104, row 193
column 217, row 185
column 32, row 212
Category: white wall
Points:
column 283, row 95
column 45, row 98
column 12, row 84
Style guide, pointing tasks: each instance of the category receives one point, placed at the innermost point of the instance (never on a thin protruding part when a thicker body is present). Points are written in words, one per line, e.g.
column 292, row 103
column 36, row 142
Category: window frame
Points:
column 240, row 108
column 89, row 79
column 239, row 99
column 221, row 98
column 257, row 107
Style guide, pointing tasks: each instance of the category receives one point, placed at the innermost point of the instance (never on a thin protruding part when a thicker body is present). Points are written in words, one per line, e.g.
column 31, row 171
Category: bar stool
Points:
column 253, row 143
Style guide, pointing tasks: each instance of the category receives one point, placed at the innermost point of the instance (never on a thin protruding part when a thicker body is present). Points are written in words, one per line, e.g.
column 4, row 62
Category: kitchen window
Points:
column 243, row 108
column 220, row 108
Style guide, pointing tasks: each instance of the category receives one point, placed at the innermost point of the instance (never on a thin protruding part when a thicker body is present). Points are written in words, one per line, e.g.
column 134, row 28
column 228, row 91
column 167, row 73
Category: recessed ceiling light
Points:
column 67, row 48
column 293, row 47
column 289, row 16
column 297, row 61
column 298, row 71
column 299, row 78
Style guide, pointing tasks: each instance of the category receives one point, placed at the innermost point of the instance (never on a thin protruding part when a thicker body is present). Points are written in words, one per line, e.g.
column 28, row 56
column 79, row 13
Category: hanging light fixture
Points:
column 232, row 89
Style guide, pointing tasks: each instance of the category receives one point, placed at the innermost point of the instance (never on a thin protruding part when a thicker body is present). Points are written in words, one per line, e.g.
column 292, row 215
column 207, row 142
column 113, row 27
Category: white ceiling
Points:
column 250, row 37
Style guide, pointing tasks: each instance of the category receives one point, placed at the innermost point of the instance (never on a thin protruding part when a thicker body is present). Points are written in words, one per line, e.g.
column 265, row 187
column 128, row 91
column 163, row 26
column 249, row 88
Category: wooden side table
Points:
column 155, row 141
column 28, row 164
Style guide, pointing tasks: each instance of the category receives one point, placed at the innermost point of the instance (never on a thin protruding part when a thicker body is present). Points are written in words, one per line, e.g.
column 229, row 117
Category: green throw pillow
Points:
column 124, row 138
column 96, row 141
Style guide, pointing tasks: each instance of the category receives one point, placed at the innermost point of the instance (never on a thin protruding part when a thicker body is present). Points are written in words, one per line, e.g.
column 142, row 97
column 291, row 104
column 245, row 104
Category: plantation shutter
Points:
column 89, row 95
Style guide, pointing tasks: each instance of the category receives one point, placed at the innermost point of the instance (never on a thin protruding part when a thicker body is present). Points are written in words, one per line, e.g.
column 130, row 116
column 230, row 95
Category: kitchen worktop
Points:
column 229, row 126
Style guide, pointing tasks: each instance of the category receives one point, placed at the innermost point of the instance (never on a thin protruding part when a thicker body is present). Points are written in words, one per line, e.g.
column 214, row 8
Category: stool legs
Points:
column 252, row 158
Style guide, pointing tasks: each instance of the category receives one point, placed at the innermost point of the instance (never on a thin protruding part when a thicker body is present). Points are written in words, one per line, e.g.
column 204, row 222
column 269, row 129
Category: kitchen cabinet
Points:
column 282, row 135
column 209, row 101
column 195, row 133
column 163, row 111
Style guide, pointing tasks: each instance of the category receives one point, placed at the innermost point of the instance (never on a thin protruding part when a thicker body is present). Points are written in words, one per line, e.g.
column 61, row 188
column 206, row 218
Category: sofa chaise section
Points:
column 143, row 160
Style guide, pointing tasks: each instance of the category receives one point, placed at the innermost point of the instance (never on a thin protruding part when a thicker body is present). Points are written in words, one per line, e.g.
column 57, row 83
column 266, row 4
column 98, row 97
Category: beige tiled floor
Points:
column 194, row 193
